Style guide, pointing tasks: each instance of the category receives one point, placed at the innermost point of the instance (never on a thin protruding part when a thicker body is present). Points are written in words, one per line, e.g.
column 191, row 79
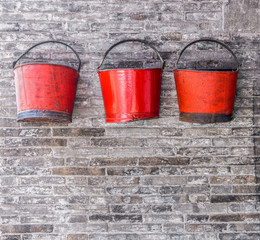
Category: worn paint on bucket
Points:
column 206, row 96
column 45, row 92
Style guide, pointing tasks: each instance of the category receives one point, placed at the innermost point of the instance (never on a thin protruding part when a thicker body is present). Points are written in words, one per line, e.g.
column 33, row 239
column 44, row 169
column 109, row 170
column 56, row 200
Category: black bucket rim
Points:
column 50, row 64
column 104, row 70
column 207, row 70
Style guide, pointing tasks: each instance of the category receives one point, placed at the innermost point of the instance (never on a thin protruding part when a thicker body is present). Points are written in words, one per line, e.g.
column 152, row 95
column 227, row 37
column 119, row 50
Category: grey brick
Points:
column 39, row 219
column 233, row 217
column 115, row 181
column 173, row 228
column 113, row 237
column 44, row 142
column 25, row 152
column 245, row 227
column 42, row 236
column 77, row 219
column 42, row 199
column 118, row 142
column 242, row 236
column 164, row 161
column 113, row 162
column 81, row 228
column 11, row 237
column 78, row 171
column 24, row 190
column 129, row 209
column 175, row 36
column 232, row 179
column 42, row 180
column 77, row 132
column 203, row 16
column 78, row 190
column 26, row 228
column 116, row 218
column 163, row 218
column 197, row 218
column 77, row 237
column 133, row 171
column 135, row 228
column 161, row 180
column 9, row 220
column 164, row 199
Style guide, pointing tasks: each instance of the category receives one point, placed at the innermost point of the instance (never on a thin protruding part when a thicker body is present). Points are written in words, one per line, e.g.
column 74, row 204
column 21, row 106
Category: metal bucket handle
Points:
column 209, row 40
column 79, row 64
column 131, row 40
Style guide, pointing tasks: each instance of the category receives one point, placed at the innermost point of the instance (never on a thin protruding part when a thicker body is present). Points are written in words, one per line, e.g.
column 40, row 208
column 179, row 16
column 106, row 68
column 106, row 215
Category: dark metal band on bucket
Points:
column 43, row 116
column 206, row 96
column 205, row 117
column 130, row 94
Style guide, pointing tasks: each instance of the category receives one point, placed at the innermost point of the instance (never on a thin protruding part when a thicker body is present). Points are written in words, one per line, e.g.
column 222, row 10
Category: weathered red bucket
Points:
column 206, row 96
column 131, row 94
column 45, row 92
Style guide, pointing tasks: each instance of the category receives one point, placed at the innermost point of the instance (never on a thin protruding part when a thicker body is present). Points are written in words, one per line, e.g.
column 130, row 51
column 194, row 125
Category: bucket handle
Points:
column 130, row 40
column 209, row 40
column 79, row 64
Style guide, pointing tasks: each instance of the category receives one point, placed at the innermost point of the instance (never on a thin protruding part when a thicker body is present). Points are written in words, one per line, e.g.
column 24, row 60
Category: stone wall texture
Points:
column 158, row 179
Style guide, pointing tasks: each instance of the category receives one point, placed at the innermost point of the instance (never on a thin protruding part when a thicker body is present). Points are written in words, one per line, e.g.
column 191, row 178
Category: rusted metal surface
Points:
column 131, row 94
column 43, row 116
column 206, row 96
column 205, row 117
column 44, row 92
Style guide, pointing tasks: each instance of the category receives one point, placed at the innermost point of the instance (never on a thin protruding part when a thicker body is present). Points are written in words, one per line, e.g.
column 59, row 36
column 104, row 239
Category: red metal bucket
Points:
column 131, row 94
column 206, row 96
column 45, row 92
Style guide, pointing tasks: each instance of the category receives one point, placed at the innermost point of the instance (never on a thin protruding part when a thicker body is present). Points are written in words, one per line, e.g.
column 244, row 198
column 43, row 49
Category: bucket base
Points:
column 38, row 116
column 205, row 117
column 128, row 117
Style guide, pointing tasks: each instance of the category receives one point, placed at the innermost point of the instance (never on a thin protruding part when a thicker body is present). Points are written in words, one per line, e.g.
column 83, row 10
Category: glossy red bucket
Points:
column 206, row 96
column 131, row 94
column 45, row 92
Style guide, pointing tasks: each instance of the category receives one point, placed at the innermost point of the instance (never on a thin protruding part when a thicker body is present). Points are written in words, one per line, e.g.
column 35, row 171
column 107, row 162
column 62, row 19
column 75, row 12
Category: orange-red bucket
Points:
column 206, row 96
column 45, row 92
column 131, row 94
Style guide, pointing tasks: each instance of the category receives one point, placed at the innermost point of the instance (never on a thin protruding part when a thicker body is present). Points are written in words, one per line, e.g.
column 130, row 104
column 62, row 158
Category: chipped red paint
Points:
column 131, row 94
column 45, row 92
column 206, row 96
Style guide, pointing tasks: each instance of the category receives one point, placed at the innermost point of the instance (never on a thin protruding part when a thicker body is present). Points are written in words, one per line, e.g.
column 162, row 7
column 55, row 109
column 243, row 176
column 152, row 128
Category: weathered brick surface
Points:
column 155, row 179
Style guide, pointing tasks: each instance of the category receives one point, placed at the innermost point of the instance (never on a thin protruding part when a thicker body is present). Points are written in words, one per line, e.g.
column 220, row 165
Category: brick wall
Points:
column 156, row 179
